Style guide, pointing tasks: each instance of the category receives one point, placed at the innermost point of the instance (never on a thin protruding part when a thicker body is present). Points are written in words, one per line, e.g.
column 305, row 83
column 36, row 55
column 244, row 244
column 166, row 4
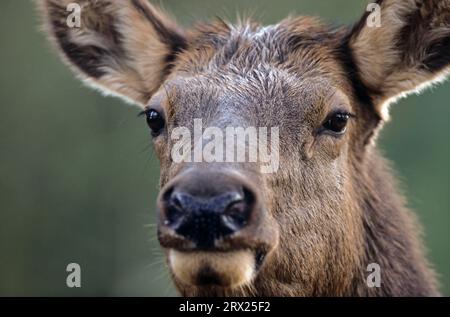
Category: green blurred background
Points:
column 78, row 178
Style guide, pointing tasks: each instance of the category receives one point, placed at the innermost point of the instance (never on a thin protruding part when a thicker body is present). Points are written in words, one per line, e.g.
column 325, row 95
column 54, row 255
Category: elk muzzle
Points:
column 215, row 227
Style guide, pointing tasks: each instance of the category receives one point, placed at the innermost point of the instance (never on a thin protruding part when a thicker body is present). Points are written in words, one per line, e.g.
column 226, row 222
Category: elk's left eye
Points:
column 155, row 121
column 337, row 122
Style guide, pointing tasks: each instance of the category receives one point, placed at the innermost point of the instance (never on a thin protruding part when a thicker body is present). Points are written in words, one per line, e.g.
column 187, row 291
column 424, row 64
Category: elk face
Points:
column 231, row 228
column 220, row 222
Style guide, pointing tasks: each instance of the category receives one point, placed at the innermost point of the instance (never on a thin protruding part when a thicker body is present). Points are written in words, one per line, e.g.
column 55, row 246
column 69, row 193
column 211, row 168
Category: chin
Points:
column 204, row 273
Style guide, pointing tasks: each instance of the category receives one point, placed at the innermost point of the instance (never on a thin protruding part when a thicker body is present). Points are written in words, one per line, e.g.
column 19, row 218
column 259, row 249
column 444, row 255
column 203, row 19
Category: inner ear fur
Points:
column 409, row 51
column 124, row 47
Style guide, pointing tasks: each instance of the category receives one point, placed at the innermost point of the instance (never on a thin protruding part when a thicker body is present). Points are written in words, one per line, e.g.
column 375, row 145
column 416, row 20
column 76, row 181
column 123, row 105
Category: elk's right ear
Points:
column 125, row 47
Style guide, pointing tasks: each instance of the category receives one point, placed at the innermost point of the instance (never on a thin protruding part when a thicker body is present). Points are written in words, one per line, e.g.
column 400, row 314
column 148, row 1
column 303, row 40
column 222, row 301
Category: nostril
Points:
column 235, row 216
column 176, row 201
column 249, row 196
column 174, row 216
column 237, row 213
column 174, row 208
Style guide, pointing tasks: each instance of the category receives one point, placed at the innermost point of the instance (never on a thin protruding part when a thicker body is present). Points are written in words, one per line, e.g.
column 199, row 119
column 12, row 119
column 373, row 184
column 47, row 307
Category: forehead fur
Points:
column 252, row 65
column 302, row 46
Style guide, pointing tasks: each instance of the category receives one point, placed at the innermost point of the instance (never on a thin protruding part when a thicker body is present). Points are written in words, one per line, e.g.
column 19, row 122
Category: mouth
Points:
column 228, row 269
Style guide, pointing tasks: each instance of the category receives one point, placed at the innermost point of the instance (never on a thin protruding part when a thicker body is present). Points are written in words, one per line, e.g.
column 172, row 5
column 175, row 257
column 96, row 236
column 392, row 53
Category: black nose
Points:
column 203, row 220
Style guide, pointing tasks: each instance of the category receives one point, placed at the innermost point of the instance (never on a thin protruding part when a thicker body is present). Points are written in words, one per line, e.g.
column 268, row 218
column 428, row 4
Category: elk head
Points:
column 227, row 227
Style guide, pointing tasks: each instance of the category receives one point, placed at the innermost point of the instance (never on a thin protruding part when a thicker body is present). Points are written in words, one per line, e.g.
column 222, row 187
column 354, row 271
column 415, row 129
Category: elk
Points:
column 332, row 208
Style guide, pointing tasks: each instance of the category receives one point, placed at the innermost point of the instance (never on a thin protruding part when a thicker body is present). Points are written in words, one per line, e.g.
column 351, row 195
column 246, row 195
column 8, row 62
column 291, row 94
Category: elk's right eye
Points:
column 155, row 121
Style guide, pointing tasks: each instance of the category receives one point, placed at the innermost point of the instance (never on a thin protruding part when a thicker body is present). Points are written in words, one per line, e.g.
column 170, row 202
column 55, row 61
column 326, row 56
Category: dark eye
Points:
column 337, row 122
column 155, row 121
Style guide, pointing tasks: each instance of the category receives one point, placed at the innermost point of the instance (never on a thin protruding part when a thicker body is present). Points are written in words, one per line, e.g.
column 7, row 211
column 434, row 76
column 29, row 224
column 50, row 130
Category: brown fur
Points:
column 333, row 206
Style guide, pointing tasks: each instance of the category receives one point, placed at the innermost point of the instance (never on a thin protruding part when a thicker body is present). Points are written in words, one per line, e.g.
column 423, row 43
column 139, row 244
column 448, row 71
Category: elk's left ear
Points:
column 125, row 47
column 408, row 50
